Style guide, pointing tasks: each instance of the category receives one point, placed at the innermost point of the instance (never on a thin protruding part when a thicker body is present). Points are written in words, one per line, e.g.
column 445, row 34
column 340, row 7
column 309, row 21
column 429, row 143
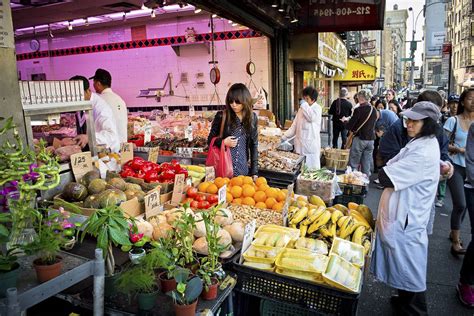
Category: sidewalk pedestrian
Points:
column 341, row 107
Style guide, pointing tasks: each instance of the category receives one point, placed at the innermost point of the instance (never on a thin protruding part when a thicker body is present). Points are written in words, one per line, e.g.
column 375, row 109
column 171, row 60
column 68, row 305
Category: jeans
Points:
column 374, row 154
column 441, row 190
column 361, row 154
column 336, row 130
column 467, row 269
column 456, row 187
column 411, row 303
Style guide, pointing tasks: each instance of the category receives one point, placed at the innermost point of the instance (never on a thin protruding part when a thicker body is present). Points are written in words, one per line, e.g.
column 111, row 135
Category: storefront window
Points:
column 310, row 79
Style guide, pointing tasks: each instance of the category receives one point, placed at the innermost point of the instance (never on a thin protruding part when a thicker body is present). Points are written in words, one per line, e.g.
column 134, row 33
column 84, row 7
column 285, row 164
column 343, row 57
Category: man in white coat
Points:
column 306, row 129
column 102, row 85
column 105, row 128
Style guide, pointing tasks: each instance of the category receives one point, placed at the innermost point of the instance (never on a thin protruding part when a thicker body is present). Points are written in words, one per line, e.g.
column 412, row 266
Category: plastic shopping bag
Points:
column 220, row 159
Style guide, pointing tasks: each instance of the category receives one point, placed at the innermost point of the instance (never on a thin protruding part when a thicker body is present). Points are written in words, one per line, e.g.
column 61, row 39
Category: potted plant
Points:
column 210, row 264
column 184, row 226
column 110, row 227
column 185, row 297
column 8, row 265
column 46, row 246
column 139, row 281
column 138, row 240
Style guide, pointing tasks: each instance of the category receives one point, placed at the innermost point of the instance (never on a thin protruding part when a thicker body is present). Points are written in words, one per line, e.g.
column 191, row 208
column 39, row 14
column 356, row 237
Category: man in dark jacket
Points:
column 340, row 108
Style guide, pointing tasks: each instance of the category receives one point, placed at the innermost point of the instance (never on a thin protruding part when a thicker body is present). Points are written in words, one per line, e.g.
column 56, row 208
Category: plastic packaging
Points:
column 352, row 252
column 342, row 275
column 311, row 244
column 262, row 254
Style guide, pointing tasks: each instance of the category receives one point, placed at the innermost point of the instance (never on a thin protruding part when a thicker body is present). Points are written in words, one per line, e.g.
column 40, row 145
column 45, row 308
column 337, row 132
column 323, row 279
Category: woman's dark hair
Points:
column 239, row 93
column 380, row 101
column 395, row 102
column 310, row 92
column 431, row 96
column 463, row 95
column 429, row 128
column 410, row 103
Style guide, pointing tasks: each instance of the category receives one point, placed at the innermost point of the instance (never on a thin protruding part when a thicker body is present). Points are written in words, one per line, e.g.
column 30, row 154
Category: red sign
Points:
column 341, row 15
column 447, row 47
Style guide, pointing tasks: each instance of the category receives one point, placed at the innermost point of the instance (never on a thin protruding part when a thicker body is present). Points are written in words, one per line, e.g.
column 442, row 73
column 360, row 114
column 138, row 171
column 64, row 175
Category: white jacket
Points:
column 119, row 109
column 306, row 129
column 104, row 123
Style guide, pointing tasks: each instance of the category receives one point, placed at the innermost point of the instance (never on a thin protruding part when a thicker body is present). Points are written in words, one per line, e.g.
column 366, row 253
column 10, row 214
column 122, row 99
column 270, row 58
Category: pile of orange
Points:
column 243, row 190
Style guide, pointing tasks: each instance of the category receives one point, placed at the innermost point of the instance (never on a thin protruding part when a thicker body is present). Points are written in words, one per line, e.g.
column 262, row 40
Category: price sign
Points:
column 178, row 189
column 184, row 152
column 54, row 119
column 284, row 212
column 166, row 110
column 126, row 152
column 152, row 203
column 249, row 231
column 147, row 134
column 210, row 174
column 192, row 112
column 222, row 194
column 81, row 163
column 153, row 154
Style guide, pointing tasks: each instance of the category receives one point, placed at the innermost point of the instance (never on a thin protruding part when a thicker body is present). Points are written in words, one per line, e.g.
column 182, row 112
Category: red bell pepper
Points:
column 182, row 170
column 151, row 176
column 137, row 163
column 127, row 173
column 168, row 175
column 148, row 167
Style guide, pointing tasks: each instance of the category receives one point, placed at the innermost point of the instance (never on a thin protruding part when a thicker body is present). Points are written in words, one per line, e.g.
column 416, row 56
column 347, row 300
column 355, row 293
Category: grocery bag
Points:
column 220, row 159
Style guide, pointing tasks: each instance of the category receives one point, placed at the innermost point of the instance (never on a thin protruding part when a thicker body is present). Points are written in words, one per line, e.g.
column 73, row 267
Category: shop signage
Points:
column 222, row 194
column 340, row 15
column 153, row 154
column 152, row 203
column 332, row 50
column 81, row 163
column 126, row 152
column 357, row 71
column 249, row 231
column 446, row 56
column 178, row 189
column 210, row 174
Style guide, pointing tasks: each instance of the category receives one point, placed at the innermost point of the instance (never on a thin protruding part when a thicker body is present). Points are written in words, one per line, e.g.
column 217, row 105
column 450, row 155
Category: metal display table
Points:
column 75, row 269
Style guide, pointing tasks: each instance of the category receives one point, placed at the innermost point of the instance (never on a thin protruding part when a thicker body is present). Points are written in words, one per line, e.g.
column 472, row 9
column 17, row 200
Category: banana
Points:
column 320, row 221
column 367, row 245
column 314, row 216
column 359, row 232
column 325, row 232
column 299, row 216
column 303, row 230
column 292, row 226
column 336, row 215
column 358, row 217
column 347, row 227
column 332, row 229
column 341, row 220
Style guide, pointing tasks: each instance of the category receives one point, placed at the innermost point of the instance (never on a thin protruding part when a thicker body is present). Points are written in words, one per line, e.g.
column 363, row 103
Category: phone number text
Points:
column 363, row 10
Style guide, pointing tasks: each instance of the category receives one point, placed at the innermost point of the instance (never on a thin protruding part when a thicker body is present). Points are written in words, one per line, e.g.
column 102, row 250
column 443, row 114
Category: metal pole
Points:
column 449, row 72
column 99, row 280
column 13, row 307
column 412, row 53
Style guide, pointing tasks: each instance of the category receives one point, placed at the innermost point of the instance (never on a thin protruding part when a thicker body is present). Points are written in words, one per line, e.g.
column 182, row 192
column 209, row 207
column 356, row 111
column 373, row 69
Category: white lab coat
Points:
column 119, row 109
column 401, row 253
column 104, row 123
column 306, row 129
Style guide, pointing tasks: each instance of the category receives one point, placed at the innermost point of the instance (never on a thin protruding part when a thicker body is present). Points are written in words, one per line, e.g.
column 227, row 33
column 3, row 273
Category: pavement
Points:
column 443, row 269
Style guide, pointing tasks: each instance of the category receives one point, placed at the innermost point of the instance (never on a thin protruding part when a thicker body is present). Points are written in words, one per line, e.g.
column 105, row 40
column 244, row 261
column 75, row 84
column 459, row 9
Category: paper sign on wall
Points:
column 153, row 203
column 210, row 174
column 166, row 110
column 222, row 194
column 178, row 189
column 284, row 212
column 153, row 154
column 126, row 152
column 249, row 231
column 81, row 163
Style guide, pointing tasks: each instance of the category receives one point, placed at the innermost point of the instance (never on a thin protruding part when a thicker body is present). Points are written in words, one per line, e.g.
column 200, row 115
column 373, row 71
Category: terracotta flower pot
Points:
column 210, row 294
column 166, row 284
column 185, row 310
column 8, row 279
column 47, row 272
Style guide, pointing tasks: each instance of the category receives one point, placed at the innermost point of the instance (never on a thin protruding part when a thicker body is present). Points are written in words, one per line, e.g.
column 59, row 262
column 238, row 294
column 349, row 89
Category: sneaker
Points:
column 439, row 203
column 376, row 181
column 466, row 294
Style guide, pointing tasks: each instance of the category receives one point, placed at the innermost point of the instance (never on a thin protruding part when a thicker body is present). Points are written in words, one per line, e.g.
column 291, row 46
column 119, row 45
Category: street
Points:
column 443, row 269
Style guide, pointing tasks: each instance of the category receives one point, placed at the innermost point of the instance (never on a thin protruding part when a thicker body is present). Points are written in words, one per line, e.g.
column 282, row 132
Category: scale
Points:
column 158, row 93
column 250, row 69
column 214, row 73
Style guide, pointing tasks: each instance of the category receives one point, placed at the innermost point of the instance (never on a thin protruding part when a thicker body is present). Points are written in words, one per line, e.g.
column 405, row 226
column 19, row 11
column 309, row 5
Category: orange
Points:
column 261, row 205
column 203, row 187
column 219, row 182
column 248, row 201
column 237, row 201
column 277, row 207
column 212, row 188
column 248, row 180
column 248, row 190
column 226, row 180
column 229, row 197
column 284, row 191
column 263, row 187
column 236, row 191
column 236, row 181
column 270, row 202
column 260, row 196
column 281, row 196
column 260, row 181
column 271, row 192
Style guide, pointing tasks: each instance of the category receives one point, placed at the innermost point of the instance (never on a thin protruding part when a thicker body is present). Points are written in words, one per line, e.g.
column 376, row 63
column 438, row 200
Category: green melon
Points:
column 74, row 192
column 111, row 197
column 97, row 186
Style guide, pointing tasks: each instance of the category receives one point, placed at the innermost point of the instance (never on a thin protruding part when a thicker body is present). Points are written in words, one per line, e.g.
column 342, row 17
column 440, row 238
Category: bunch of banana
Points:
column 319, row 221
column 349, row 226
column 366, row 244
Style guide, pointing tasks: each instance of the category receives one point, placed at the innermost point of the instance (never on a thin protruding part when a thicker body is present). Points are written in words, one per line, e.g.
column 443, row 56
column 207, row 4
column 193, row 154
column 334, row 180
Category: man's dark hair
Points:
column 84, row 79
column 429, row 128
column 383, row 102
column 463, row 95
column 310, row 92
column 431, row 96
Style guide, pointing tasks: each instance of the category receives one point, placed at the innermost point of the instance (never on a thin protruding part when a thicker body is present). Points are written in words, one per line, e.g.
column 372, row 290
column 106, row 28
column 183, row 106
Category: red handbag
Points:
column 220, row 158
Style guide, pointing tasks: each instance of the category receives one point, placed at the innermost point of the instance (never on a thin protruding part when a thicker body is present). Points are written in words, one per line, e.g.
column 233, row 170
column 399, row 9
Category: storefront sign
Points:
column 332, row 50
column 446, row 56
column 357, row 71
column 340, row 15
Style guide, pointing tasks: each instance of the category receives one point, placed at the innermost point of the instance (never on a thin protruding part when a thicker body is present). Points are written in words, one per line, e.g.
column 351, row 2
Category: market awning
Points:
column 357, row 71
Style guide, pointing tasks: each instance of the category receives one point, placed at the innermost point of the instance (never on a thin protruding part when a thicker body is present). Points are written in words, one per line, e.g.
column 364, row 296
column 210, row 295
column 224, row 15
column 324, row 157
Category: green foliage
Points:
column 187, row 290
column 184, row 234
column 137, row 279
column 7, row 260
column 165, row 255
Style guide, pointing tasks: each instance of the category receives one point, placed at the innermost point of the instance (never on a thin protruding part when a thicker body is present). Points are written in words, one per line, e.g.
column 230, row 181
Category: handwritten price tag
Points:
column 81, row 163
column 153, row 154
column 222, row 194
column 284, row 212
column 210, row 174
column 126, row 152
column 152, row 203
column 147, row 135
column 249, row 231
column 166, row 110
column 178, row 189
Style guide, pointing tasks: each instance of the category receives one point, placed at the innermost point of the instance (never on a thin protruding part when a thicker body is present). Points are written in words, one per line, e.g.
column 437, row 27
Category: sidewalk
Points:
column 443, row 269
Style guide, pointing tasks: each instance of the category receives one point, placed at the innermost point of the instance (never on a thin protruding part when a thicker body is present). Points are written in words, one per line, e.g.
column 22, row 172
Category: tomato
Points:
column 203, row 205
column 200, row 197
column 192, row 192
column 212, row 198
column 194, row 204
column 187, row 200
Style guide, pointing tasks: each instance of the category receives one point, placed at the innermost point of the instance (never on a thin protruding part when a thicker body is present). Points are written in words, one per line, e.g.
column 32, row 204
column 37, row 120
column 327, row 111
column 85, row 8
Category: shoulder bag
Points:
column 452, row 137
column 351, row 134
column 220, row 158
